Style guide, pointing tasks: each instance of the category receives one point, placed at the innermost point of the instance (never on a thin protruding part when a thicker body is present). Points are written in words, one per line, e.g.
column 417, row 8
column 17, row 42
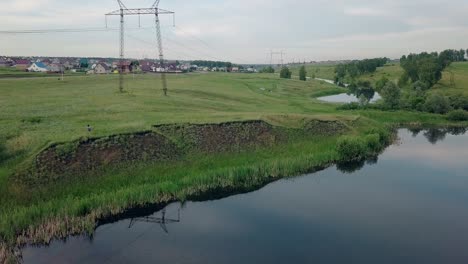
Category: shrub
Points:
column 414, row 101
column 459, row 101
column 381, row 83
column 458, row 115
column 351, row 148
column 385, row 137
column 403, row 81
column 373, row 142
column 391, row 95
column 302, row 74
column 420, row 86
column 437, row 104
column 285, row 73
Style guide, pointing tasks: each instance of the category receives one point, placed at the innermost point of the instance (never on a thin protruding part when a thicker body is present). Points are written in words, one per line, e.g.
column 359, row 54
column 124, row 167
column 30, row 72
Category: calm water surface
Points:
column 410, row 206
column 347, row 98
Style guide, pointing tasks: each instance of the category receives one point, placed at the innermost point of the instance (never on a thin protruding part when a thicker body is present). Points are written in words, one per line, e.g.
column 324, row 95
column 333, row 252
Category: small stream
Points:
column 409, row 205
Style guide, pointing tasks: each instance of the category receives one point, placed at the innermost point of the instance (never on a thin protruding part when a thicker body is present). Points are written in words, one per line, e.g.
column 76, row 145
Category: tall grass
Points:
column 74, row 206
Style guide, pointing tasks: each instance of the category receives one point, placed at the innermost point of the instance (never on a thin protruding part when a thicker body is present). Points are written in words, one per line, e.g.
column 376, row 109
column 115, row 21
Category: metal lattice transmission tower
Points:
column 281, row 53
column 153, row 10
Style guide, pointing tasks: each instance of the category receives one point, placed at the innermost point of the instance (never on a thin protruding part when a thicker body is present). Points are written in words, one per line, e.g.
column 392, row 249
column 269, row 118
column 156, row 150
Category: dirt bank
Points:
column 164, row 143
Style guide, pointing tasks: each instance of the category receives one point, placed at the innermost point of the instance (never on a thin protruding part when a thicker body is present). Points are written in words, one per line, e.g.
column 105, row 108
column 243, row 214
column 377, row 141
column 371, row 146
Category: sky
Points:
column 241, row 31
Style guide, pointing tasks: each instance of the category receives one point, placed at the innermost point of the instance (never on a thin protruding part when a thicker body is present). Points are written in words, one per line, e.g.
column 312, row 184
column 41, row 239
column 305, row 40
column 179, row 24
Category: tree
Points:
column 285, row 73
column 268, row 69
column 340, row 73
column 420, row 87
column 302, row 73
column 462, row 55
column 391, row 95
column 352, row 70
column 438, row 104
column 381, row 83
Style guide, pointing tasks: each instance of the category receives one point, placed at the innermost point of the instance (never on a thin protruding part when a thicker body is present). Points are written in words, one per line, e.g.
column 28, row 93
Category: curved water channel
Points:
column 408, row 206
column 345, row 97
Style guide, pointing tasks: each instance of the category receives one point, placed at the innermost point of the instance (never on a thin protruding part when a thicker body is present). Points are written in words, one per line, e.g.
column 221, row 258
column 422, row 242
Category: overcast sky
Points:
column 242, row 31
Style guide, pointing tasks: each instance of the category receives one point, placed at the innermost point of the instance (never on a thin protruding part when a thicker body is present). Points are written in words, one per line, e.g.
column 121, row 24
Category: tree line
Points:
column 212, row 64
column 426, row 69
column 420, row 73
column 357, row 68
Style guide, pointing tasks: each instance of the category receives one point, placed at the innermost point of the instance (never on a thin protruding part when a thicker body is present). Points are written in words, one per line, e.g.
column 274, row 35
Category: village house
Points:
column 22, row 64
column 148, row 66
column 125, row 66
column 101, row 68
column 4, row 63
column 37, row 67
column 235, row 69
column 55, row 67
column 45, row 61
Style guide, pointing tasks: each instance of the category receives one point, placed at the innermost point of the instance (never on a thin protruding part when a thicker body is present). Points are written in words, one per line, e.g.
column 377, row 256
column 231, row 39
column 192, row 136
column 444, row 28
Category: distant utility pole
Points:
column 153, row 10
column 281, row 53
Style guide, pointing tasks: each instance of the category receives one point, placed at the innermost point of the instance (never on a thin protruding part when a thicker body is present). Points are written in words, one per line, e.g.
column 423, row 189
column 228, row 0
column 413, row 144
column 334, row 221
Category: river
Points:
column 408, row 206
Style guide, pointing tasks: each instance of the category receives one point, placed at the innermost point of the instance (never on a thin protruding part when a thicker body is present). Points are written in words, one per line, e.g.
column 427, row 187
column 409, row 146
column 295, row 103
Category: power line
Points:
column 152, row 45
column 154, row 10
column 64, row 30
column 202, row 41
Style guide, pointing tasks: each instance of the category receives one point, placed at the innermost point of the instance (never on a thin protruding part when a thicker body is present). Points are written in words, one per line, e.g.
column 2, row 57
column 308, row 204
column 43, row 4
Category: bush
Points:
column 414, row 101
column 391, row 95
column 351, row 148
column 420, row 86
column 459, row 101
column 458, row 115
column 437, row 104
column 373, row 142
column 302, row 74
column 385, row 137
column 268, row 69
column 381, row 83
column 285, row 73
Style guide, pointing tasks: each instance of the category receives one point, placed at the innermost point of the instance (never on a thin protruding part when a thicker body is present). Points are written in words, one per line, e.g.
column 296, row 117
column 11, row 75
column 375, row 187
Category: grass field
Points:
column 35, row 113
column 39, row 111
column 9, row 73
column 460, row 75
column 319, row 71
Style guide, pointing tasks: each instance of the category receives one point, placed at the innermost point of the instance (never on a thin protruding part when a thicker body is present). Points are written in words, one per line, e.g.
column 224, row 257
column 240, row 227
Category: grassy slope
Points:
column 320, row 71
column 460, row 72
column 37, row 112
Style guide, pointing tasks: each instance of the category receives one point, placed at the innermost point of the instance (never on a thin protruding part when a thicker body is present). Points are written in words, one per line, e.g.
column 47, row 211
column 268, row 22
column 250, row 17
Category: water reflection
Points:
column 410, row 206
column 434, row 135
column 350, row 167
column 348, row 98
column 162, row 220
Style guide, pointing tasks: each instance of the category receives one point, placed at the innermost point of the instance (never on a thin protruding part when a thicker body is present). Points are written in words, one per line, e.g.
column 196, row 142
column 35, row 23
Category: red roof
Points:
column 22, row 62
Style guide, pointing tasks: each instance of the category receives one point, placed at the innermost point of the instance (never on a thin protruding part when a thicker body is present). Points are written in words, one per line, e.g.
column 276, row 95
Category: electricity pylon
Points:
column 153, row 10
column 281, row 53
